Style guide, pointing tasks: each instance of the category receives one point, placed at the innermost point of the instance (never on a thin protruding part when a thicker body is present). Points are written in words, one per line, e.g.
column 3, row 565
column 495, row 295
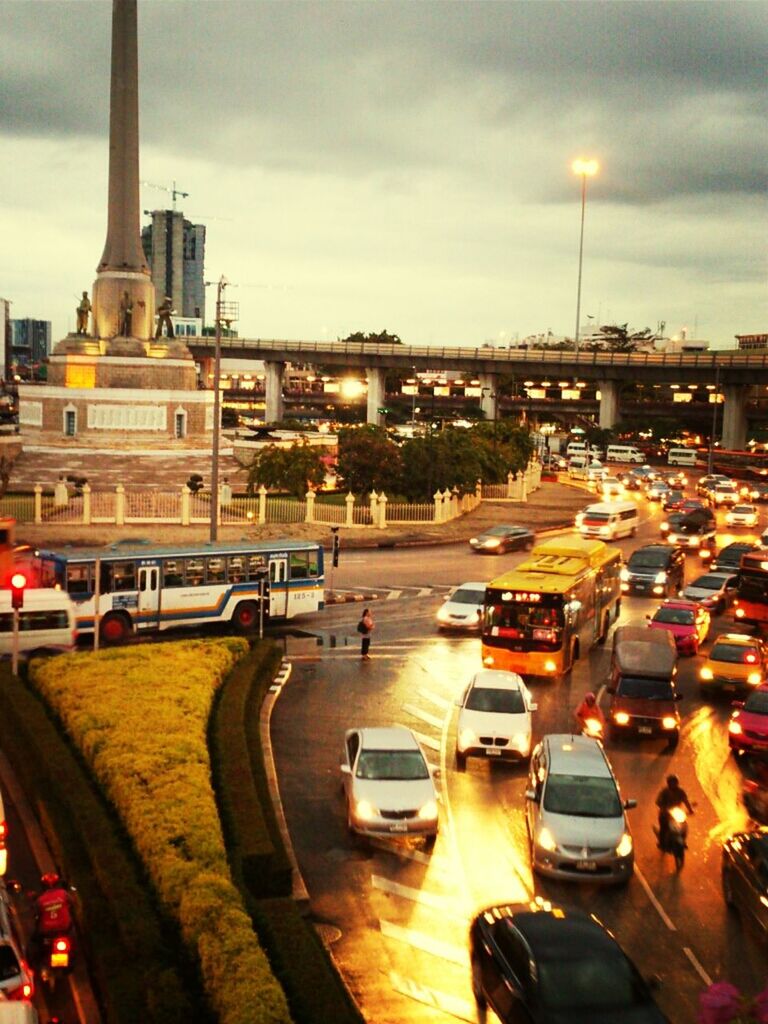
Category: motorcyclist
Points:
column 53, row 908
column 672, row 795
column 589, row 709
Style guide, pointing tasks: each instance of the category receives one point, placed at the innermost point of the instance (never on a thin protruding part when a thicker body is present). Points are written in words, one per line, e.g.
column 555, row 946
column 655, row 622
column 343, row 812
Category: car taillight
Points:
column 61, row 945
column 3, row 831
column 21, row 993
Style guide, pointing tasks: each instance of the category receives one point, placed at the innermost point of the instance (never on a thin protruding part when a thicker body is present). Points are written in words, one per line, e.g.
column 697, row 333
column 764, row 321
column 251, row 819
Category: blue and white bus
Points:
column 142, row 587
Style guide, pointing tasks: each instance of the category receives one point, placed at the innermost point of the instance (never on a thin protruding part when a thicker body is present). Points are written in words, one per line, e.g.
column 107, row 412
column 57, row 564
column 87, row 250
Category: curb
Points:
column 299, row 891
column 332, row 598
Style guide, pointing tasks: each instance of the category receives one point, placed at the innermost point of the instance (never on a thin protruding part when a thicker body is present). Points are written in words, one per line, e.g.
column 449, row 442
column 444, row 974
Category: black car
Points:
column 729, row 559
column 498, row 539
column 672, row 500
column 745, row 875
column 672, row 521
column 656, row 570
column 542, row 964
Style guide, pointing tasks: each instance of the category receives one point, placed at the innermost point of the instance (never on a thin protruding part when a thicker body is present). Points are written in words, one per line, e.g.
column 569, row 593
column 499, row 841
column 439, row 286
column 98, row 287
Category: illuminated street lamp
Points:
column 585, row 168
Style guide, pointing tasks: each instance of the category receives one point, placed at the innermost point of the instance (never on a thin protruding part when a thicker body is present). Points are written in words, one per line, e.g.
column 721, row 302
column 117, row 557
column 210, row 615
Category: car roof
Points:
column 653, row 547
column 478, row 585
column 739, row 545
column 393, row 737
column 739, row 639
column 678, row 602
column 504, row 526
column 562, row 935
column 497, row 679
column 576, row 755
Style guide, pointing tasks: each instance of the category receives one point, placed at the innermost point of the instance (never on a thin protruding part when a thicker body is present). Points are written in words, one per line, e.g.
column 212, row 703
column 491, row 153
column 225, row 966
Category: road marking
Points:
column 425, row 592
column 697, row 965
column 441, row 702
column 393, row 595
column 651, row 896
column 426, row 741
column 443, row 950
column 452, row 1005
column 422, row 896
column 425, row 716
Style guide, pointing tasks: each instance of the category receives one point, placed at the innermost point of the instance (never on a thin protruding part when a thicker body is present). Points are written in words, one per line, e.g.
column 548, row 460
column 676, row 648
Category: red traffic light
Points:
column 18, row 583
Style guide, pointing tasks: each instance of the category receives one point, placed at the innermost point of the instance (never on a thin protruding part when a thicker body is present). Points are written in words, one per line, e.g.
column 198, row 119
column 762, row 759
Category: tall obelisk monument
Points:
column 123, row 294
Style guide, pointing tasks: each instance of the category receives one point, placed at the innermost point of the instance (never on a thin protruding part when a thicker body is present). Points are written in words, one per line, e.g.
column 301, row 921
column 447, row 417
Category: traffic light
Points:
column 18, row 583
column 336, row 546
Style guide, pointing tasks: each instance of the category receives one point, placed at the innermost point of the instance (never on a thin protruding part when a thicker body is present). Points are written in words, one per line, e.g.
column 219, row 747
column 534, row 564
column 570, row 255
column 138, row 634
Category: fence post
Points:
column 350, row 502
column 38, row 503
column 374, row 503
column 309, row 515
column 438, row 500
column 383, row 499
column 185, row 503
column 521, row 494
column 510, row 484
column 455, row 502
column 262, row 504
column 86, row 504
column 120, row 505
column 479, row 491
column 447, row 509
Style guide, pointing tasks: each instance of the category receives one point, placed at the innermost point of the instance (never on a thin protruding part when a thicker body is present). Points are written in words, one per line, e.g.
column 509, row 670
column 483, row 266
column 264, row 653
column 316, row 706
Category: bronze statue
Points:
column 126, row 316
column 164, row 312
column 83, row 311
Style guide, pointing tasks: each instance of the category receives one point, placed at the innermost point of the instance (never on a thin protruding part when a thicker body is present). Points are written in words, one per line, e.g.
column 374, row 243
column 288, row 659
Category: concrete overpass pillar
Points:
column 377, row 396
column 609, row 404
column 734, row 416
column 273, row 382
column 489, row 400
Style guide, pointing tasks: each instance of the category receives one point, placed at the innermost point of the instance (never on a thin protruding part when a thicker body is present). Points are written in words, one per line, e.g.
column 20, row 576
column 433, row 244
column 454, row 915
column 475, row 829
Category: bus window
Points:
column 313, row 567
column 51, row 574
column 216, row 570
column 173, row 572
column 236, row 569
column 298, row 565
column 78, row 578
column 195, row 571
column 123, row 577
column 256, row 567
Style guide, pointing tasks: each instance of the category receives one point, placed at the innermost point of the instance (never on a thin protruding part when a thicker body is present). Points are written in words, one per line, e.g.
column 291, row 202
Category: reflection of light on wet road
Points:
column 716, row 771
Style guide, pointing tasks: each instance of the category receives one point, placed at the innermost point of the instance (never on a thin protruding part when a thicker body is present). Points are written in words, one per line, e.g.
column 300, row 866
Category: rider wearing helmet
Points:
column 589, row 708
column 53, row 907
column 672, row 795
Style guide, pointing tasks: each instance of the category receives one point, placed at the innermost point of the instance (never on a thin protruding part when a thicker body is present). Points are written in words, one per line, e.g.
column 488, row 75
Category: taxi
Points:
column 687, row 621
column 736, row 662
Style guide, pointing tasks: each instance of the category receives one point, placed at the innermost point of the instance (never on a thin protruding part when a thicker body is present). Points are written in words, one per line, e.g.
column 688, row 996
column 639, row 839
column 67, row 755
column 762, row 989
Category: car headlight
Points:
column 621, row 718
column 739, row 613
column 467, row 739
column 664, row 525
column 473, row 540
column 754, row 678
column 521, row 742
column 493, row 542
column 669, row 722
column 694, row 541
column 3, row 860
column 365, row 810
column 546, row 840
column 624, row 847
column 661, row 577
column 428, row 811
column 706, row 673
column 624, row 575
column 734, row 727
column 443, row 615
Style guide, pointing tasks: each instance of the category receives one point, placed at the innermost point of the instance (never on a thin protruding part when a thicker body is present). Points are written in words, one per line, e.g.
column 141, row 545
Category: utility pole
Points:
column 716, row 393
column 226, row 312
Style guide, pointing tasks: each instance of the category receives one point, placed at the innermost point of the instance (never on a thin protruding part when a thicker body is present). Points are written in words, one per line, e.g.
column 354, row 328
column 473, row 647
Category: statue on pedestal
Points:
column 126, row 316
column 83, row 312
column 164, row 312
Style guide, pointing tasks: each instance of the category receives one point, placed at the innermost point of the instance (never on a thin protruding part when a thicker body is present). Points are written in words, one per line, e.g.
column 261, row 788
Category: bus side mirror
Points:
column 345, row 769
column 530, row 794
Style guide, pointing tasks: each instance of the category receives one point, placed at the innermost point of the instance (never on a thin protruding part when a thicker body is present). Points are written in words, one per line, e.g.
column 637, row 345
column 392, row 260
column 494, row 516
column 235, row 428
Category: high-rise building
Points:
column 175, row 251
column 30, row 341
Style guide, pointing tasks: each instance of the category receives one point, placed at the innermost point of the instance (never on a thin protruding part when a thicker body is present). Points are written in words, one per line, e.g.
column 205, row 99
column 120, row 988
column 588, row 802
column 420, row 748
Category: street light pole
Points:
column 214, row 532
column 584, row 168
column 714, row 420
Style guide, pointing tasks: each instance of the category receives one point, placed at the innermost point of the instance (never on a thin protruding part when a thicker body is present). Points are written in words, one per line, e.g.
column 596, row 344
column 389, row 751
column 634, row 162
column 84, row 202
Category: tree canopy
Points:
column 291, row 469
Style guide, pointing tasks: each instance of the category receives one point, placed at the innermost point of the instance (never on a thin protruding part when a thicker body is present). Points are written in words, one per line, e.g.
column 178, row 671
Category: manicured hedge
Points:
column 139, row 717
column 136, row 958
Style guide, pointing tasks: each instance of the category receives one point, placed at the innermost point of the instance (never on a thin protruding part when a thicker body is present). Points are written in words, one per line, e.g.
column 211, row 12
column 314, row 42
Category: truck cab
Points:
column 642, row 686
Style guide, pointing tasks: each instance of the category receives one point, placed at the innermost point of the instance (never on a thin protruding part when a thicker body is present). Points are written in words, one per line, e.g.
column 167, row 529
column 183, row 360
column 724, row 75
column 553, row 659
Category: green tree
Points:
column 291, row 469
column 382, row 338
column 368, row 460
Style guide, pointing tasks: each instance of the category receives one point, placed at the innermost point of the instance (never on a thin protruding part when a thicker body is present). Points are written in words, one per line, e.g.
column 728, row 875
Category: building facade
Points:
column 175, row 251
column 30, row 342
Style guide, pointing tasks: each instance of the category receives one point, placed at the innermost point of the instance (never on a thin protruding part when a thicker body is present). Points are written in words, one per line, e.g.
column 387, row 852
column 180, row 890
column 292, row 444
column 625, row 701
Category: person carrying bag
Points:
column 365, row 628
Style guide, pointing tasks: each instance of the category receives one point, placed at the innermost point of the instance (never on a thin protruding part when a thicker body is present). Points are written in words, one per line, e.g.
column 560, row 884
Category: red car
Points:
column 687, row 621
column 748, row 727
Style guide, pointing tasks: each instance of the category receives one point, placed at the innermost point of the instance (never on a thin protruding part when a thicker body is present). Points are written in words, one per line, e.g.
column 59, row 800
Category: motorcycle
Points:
column 56, row 957
column 676, row 838
column 592, row 727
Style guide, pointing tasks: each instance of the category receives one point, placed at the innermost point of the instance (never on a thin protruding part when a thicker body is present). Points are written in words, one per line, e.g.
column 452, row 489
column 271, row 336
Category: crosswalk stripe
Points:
column 425, row 716
column 422, row 896
column 452, row 1005
column 419, row 940
column 426, row 741
column 393, row 595
column 425, row 592
column 435, row 698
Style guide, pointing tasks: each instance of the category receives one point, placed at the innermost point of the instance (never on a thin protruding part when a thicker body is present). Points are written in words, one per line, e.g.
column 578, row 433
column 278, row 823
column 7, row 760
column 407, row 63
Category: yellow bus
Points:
column 549, row 611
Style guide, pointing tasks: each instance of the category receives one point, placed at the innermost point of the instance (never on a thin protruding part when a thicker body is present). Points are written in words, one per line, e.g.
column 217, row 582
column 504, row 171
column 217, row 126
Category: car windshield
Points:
column 467, row 597
column 654, row 559
column 501, row 531
column 646, row 689
column 391, row 765
column 734, row 654
column 745, row 510
column 582, row 796
column 731, row 555
column 708, row 582
column 757, row 703
column 9, row 963
column 504, row 702
column 597, row 517
column 674, row 616
column 604, row 982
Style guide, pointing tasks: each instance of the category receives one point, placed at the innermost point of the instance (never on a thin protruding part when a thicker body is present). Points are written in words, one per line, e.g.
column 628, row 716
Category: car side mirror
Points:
column 648, row 617
column 530, row 794
column 434, row 771
column 533, row 706
column 629, row 805
column 345, row 769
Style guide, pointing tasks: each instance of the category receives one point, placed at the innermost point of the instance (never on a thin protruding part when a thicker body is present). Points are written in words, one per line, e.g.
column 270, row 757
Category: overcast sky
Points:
column 406, row 166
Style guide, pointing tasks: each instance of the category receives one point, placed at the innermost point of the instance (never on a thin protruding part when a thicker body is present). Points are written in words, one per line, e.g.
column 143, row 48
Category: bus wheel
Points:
column 604, row 630
column 244, row 617
column 114, row 629
column 618, row 608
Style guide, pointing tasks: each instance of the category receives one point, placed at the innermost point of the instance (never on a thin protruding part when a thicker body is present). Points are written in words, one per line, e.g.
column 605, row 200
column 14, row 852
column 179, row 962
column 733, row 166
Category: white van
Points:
column 577, row 448
column 681, row 457
column 578, row 467
column 609, row 520
column 47, row 623
column 17, row 1012
column 623, row 453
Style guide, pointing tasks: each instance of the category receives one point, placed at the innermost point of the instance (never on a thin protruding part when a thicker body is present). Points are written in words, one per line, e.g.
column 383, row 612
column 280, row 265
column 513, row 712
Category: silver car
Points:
column 576, row 819
column 388, row 784
column 463, row 609
column 715, row 590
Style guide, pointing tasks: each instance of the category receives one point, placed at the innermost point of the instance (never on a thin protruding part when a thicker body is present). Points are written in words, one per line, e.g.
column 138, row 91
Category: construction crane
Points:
column 174, row 192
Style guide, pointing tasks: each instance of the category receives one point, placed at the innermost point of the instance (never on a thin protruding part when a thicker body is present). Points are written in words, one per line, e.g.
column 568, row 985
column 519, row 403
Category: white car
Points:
column 613, row 488
column 464, row 608
column 742, row 515
column 495, row 718
column 388, row 784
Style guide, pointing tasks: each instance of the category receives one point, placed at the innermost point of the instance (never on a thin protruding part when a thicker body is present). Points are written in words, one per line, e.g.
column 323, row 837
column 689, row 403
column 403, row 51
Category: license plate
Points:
column 586, row 865
column 646, row 730
column 493, row 752
column 399, row 826
column 729, row 686
column 59, row 959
